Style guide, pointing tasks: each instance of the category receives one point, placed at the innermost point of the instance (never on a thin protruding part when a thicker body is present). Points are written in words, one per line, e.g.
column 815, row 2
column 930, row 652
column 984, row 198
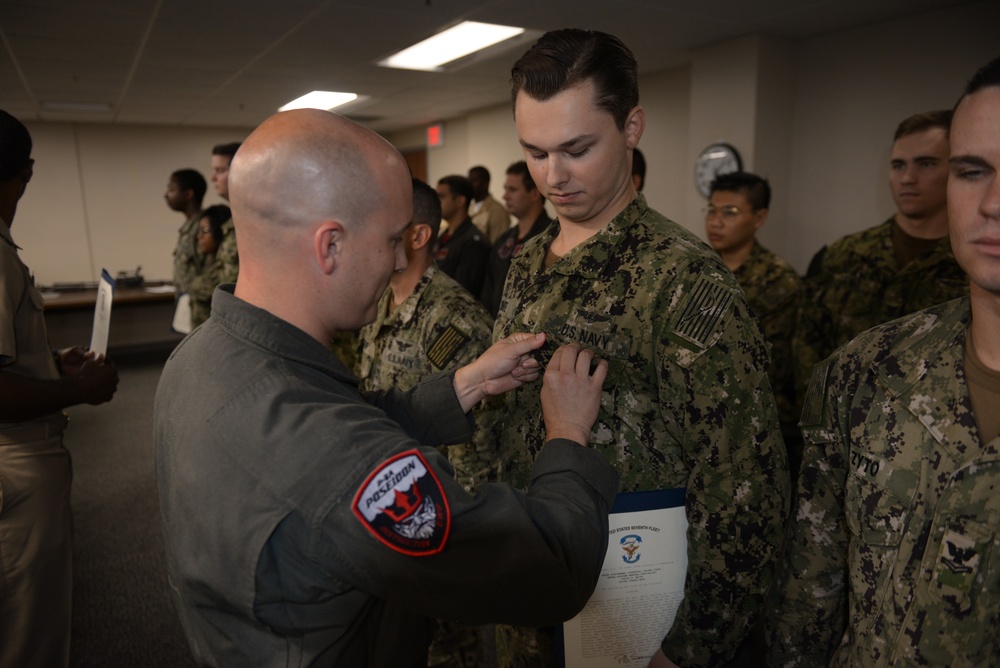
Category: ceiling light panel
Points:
column 461, row 40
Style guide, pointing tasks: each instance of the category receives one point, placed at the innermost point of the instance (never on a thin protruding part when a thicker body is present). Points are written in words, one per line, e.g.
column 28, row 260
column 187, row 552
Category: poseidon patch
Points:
column 403, row 505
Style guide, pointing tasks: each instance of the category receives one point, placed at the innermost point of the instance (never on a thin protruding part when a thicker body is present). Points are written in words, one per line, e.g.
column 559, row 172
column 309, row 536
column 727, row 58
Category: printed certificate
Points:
column 102, row 314
column 640, row 588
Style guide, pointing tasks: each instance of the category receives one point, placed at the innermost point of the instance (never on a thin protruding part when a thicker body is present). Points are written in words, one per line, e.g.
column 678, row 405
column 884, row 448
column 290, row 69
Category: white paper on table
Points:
column 102, row 314
column 640, row 588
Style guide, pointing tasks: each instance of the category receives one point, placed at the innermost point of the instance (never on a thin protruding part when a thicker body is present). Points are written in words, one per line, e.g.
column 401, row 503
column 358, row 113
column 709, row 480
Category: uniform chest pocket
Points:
column 877, row 521
column 595, row 331
column 399, row 356
column 877, row 517
column 37, row 300
column 610, row 340
column 961, row 569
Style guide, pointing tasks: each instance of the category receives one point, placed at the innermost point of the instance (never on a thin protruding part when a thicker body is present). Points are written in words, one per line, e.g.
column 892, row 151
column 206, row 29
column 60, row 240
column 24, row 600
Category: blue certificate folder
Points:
column 633, row 502
column 628, row 502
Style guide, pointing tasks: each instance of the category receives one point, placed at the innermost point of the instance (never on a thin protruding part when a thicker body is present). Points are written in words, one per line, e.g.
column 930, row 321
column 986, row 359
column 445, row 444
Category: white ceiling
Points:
column 234, row 62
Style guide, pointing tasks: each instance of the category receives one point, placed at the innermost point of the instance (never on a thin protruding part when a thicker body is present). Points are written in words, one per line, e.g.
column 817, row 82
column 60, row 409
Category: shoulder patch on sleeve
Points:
column 443, row 350
column 813, row 409
column 403, row 505
column 707, row 304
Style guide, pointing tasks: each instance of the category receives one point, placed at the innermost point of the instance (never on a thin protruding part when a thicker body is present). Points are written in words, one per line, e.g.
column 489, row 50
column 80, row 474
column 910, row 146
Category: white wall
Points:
column 665, row 97
column 96, row 198
column 775, row 102
column 815, row 116
column 852, row 88
column 485, row 138
column 722, row 109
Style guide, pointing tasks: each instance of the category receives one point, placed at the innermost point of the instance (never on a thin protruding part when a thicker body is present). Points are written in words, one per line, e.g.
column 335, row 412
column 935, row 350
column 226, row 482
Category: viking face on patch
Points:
column 403, row 505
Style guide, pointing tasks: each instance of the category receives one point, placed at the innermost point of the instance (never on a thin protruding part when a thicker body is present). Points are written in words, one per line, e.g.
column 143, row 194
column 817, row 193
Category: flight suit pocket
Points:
column 962, row 555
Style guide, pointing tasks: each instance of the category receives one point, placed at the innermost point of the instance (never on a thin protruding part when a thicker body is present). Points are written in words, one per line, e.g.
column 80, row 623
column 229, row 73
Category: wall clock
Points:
column 715, row 159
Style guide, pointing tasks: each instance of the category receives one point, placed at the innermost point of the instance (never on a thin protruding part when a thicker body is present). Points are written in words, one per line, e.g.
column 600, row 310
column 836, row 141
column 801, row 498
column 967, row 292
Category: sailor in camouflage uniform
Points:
column 203, row 285
column 738, row 207
column 436, row 326
column 187, row 260
column 687, row 402
column 888, row 271
column 185, row 193
column 774, row 291
column 894, row 554
column 227, row 257
column 428, row 323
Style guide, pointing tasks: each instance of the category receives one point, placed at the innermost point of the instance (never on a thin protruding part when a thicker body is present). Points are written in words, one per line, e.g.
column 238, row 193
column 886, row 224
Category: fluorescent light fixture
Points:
column 465, row 38
column 320, row 99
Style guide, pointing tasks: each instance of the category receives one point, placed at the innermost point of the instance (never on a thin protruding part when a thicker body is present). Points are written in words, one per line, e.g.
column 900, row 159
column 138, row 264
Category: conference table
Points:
column 141, row 317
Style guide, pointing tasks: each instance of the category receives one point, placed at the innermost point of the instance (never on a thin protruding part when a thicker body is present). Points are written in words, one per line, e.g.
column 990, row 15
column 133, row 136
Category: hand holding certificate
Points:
column 95, row 377
column 641, row 585
column 102, row 314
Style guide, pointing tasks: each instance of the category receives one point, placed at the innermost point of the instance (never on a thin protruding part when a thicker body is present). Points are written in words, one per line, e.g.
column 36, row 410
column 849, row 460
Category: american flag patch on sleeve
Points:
column 444, row 348
column 706, row 305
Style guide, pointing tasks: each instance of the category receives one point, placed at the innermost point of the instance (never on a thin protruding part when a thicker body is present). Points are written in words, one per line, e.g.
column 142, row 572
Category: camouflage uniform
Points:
column 201, row 288
column 345, row 345
column 439, row 327
column 687, row 403
column 894, row 558
column 187, row 259
column 774, row 292
column 858, row 284
column 229, row 259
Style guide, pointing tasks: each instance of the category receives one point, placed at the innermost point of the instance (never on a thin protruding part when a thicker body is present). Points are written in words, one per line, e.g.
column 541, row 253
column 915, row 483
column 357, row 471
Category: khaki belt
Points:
column 25, row 432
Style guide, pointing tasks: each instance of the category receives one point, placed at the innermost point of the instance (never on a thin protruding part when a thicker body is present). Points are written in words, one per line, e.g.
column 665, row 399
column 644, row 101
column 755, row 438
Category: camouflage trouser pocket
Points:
column 964, row 549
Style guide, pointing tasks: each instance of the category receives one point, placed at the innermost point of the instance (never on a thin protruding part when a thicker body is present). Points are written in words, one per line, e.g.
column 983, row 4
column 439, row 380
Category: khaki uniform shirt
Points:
column 491, row 217
column 686, row 404
column 24, row 345
column 894, row 557
column 439, row 327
